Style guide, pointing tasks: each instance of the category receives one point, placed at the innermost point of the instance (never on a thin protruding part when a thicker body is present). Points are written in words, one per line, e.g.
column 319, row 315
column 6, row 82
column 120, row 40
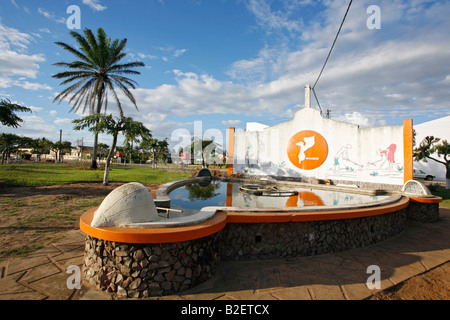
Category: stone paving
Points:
column 43, row 275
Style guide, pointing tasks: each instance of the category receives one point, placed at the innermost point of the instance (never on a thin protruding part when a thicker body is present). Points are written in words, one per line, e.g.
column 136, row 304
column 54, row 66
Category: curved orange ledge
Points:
column 427, row 200
column 214, row 225
column 152, row 235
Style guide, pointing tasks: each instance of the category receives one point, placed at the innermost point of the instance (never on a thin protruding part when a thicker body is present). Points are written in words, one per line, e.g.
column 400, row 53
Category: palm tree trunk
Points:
column 94, row 153
column 108, row 161
column 99, row 108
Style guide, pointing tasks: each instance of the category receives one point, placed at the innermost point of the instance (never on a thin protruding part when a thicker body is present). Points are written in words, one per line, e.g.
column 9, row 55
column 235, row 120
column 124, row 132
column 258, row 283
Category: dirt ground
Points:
column 32, row 218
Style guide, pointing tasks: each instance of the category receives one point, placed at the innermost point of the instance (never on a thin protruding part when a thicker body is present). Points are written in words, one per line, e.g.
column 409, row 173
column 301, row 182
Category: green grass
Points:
column 34, row 175
column 445, row 195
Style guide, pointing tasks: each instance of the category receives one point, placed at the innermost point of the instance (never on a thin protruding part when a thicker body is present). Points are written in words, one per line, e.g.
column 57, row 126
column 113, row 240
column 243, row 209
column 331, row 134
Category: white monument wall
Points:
column 321, row 148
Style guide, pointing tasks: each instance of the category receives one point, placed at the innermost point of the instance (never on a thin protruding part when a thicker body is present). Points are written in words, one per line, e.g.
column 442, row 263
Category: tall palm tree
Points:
column 97, row 74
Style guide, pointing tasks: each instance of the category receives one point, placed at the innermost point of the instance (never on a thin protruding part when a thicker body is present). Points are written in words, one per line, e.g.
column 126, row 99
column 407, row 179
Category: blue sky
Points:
column 228, row 62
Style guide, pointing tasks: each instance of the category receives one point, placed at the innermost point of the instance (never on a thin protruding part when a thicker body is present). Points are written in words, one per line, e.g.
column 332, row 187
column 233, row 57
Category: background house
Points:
column 439, row 128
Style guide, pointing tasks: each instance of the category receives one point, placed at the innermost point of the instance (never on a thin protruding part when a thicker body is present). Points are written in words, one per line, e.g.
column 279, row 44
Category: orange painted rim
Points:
column 299, row 216
column 426, row 200
column 152, row 235
column 214, row 225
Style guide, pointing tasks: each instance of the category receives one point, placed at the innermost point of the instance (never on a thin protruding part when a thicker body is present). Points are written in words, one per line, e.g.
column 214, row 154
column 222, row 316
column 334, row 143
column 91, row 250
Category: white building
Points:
column 439, row 128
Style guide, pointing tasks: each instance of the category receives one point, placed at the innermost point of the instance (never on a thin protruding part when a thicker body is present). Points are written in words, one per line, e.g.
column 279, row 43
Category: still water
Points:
column 191, row 198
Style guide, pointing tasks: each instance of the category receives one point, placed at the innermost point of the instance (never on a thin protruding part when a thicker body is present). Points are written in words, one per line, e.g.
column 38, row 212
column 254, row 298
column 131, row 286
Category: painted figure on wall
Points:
column 389, row 156
column 309, row 143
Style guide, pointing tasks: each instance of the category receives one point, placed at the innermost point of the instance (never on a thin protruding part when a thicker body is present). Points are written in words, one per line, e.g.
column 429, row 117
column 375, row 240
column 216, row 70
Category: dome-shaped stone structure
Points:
column 128, row 204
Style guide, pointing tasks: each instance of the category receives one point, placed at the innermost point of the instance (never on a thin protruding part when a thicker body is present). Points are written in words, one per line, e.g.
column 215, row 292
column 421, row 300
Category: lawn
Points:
column 33, row 175
column 32, row 218
column 444, row 194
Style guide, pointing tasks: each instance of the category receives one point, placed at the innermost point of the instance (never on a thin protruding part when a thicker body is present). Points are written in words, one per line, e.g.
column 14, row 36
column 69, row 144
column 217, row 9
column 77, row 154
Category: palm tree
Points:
column 97, row 74
column 8, row 115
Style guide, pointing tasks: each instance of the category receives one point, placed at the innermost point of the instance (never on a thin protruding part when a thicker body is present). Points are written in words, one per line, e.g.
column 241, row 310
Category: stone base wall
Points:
column 423, row 212
column 139, row 271
column 144, row 270
column 287, row 240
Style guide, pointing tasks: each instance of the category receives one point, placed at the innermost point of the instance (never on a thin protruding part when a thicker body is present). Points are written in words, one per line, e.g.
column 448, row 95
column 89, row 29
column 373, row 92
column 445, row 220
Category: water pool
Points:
column 193, row 197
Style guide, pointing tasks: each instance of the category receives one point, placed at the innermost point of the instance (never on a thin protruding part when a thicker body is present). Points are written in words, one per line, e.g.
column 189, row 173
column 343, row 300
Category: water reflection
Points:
column 193, row 197
column 203, row 191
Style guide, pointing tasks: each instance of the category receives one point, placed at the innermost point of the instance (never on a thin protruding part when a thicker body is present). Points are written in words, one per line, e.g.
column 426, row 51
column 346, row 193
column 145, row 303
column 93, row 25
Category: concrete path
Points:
column 339, row 276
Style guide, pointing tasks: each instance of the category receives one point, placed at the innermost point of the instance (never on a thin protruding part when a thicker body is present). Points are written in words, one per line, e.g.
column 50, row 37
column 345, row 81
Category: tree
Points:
column 429, row 146
column 206, row 148
column 95, row 75
column 8, row 115
column 97, row 123
column 8, row 142
column 40, row 146
column 102, row 149
column 158, row 148
column 60, row 147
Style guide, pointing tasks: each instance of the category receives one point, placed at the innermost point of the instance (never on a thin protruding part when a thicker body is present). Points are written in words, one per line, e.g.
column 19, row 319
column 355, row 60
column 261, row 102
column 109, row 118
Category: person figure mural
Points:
column 309, row 143
column 389, row 155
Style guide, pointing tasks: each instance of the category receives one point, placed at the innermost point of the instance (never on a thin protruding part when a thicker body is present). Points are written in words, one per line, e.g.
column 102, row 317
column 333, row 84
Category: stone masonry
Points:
column 288, row 240
column 144, row 270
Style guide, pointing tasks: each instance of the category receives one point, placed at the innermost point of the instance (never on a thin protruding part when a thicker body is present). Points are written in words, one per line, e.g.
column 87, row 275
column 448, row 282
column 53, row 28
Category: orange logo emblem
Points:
column 307, row 150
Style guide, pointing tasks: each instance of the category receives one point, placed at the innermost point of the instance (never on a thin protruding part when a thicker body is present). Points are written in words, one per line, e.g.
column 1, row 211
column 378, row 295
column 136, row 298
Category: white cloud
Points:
column 10, row 37
column 275, row 20
column 34, row 86
column 231, row 122
column 146, row 56
column 179, row 52
column 33, row 108
column 15, row 65
column 51, row 16
column 358, row 118
column 95, row 5
column 44, row 30
column 63, row 121
column 35, row 127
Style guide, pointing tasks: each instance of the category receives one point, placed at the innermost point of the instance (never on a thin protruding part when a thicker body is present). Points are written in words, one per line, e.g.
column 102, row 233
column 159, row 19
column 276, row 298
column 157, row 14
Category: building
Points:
column 439, row 128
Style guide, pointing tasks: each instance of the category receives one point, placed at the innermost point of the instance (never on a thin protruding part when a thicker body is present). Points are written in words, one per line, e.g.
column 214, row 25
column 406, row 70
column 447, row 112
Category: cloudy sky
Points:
column 228, row 62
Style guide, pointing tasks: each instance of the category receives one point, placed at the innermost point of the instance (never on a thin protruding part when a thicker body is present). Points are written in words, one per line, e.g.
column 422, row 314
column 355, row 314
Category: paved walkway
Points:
column 42, row 274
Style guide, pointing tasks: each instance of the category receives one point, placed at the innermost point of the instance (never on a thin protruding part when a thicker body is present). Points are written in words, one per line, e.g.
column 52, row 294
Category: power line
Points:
column 334, row 42
column 317, row 100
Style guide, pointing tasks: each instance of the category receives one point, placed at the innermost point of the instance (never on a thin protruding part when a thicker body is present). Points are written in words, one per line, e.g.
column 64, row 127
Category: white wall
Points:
column 439, row 128
column 354, row 154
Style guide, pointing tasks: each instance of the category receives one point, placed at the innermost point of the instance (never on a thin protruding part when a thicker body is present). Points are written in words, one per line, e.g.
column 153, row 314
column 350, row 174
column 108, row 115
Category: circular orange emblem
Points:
column 307, row 150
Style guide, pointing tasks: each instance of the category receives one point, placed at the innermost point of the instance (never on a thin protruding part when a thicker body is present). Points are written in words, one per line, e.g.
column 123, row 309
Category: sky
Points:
column 212, row 64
